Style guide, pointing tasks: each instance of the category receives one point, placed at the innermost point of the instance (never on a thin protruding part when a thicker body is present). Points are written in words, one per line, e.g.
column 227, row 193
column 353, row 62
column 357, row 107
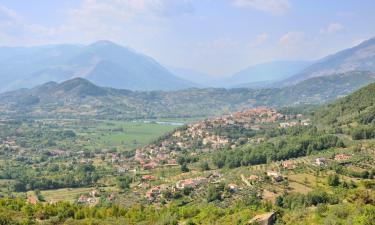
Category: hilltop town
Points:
column 227, row 131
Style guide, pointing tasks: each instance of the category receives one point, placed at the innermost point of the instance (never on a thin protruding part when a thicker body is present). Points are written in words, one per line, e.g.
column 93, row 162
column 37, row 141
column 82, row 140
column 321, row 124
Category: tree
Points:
column 333, row 180
column 124, row 182
column 321, row 209
column 204, row 166
column 184, row 168
column 4, row 220
column 317, row 196
column 279, row 201
column 213, row 193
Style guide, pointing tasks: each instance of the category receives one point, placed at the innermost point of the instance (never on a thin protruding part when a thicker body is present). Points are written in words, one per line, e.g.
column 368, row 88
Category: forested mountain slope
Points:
column 358, row 107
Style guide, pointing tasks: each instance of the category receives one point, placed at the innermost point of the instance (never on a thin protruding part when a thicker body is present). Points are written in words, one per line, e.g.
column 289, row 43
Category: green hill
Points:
column 353, row 115
column 358, row 107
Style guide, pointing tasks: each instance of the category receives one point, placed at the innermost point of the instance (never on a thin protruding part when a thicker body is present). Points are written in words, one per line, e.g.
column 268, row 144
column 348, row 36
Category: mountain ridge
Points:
column 80, row 97
column 265, row 72
column 359, row 57
column 120, row 67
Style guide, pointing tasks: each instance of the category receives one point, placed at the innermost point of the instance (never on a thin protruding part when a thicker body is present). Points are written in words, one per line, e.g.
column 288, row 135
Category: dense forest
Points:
column 293, row 142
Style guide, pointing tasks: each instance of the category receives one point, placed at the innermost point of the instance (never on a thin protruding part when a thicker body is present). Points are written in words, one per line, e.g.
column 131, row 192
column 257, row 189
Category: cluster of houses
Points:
column 202, row 135
column 10, row 143
column 288, row 165
column 151, row 157
column 93, row 198
column 155, row 192
column 249, row 119
column 89, row 199
column 191, row 183
column 276, row 176
column 342, row 157
column 304, row 122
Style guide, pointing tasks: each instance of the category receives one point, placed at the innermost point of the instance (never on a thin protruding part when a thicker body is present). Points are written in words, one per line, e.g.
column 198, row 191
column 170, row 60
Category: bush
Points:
column 321, row 209
column 204, row 166
column 213, row 193
column 184, row 168
column 333, row 180
column 316, row 197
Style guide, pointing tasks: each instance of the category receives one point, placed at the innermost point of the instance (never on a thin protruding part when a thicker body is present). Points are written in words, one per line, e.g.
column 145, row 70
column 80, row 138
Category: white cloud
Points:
column 292, row 38
column 275, row 7
column 7, row 14
column 333, row 28
column 126, row 9
column 115, row 20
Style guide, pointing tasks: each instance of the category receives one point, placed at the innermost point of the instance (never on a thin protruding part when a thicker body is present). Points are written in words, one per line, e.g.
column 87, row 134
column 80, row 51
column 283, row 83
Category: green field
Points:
column 129, row 135
column 65, row 194
column 133, row 134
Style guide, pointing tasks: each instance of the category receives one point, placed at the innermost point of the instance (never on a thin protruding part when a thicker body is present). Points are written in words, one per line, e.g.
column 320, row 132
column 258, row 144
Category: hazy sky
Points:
column 218, row 37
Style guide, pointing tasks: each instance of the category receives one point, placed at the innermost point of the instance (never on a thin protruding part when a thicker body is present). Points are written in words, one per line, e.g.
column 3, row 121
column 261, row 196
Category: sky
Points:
column 217, row 37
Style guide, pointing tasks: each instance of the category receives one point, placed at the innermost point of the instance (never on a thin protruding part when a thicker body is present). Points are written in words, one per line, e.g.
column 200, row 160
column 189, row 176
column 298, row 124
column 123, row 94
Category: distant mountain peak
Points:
column 105, row 44
column 81, row 87
column 104, row 63
column 75, row 82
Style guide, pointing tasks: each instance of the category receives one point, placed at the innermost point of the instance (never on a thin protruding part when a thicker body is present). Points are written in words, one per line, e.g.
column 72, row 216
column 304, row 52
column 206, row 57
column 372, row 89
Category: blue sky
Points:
column 218, row 37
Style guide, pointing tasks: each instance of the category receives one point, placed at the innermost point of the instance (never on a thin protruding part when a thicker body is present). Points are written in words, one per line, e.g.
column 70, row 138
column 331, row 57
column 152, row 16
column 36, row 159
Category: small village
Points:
column 213, row 134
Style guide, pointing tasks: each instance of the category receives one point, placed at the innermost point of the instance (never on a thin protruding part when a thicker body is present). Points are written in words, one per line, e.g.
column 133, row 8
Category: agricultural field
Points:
column 126, row 135
column 129, row 135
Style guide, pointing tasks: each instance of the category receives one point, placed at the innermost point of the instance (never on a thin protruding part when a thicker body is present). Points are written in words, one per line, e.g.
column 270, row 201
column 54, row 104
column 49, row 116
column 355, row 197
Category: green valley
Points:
column 253, row 165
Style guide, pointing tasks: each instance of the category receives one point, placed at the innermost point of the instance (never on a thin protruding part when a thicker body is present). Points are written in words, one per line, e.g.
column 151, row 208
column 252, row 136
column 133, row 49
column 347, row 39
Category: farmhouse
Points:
column 289, row 165
column 122, row 169
column 233, row 187
column 320, row 161
column 149, row 166
column 82, row 199
column 193, row 183
column 342, row 157
column 32, row 200
column 58, row 153
column 87, row 200
column 148, row 178
column 94, row 193
column 153, row 193
column 275, row 175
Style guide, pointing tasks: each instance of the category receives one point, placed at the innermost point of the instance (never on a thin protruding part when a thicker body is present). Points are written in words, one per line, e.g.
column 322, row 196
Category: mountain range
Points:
column 111, row 65
column 104, row 63
column 80, row 97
